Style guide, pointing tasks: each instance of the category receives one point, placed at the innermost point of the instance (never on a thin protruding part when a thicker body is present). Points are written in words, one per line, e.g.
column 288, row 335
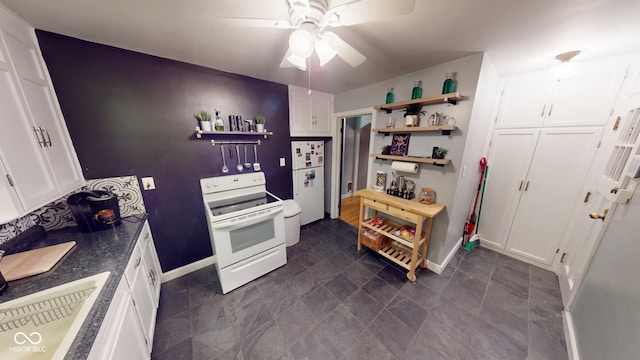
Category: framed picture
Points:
column 400, row 144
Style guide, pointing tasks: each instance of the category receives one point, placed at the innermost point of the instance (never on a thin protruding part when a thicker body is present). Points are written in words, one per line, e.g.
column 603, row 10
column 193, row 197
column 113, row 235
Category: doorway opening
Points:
column 354, row 164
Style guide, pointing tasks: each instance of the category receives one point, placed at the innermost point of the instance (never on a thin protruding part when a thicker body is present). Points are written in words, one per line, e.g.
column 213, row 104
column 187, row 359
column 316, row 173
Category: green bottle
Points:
column 449, row 85
column 390, row 96
column 416, row 93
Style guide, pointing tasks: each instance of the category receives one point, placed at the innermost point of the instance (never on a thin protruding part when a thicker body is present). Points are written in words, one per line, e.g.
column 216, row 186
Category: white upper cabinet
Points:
column 37, row 157
column 309, row 114
column 585, row 99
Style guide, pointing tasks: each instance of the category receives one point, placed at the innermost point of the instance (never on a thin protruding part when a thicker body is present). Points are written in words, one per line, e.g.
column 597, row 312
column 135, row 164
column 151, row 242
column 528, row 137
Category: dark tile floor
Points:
column 332, row 302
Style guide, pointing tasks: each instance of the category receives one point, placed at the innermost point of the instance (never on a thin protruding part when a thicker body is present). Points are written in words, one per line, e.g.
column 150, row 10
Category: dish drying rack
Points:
column 44, row 311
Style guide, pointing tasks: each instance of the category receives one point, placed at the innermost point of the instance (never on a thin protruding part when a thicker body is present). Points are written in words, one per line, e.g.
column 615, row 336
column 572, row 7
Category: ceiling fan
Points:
column 311, row 18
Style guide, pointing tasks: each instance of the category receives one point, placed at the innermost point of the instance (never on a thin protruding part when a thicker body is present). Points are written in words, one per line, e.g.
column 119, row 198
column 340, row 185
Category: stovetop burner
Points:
column 227, row 206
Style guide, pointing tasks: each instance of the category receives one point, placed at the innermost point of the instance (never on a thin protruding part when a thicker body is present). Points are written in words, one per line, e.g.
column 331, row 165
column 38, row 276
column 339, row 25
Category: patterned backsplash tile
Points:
column 57, row 215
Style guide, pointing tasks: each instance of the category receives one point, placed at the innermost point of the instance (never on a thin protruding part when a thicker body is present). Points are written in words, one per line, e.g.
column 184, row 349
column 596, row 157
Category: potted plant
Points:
column 412, row 115
column 260, row 120
column 205, row 120
column 439, row 152
column 386, row 150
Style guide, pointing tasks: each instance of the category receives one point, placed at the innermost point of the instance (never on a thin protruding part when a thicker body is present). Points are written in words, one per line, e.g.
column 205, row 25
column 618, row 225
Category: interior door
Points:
column 551, row 191
column 585, row 233
column 509, row 159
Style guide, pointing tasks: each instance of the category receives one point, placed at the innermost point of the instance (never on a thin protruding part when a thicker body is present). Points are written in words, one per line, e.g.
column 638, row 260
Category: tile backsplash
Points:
column 57, row 215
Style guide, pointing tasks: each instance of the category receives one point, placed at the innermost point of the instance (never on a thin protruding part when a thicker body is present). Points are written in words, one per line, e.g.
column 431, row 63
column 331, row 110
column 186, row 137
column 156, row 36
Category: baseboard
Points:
column 570, row 336
column 189, row 268
column 347, row 195
column 439, row 268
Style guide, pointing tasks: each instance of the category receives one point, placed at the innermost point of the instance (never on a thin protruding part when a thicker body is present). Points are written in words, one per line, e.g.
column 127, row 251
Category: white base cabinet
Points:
column 128, row 327
column 533, row 185
column 309, row 114
column 37, row 161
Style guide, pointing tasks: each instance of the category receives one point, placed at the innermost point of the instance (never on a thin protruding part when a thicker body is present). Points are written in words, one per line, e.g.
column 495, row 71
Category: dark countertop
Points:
column 94, row 253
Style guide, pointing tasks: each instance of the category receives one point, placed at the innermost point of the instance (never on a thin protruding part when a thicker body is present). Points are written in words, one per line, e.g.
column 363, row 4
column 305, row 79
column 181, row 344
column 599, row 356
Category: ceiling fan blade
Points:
column 345, row 51
column 362, row 11
column 254, row 22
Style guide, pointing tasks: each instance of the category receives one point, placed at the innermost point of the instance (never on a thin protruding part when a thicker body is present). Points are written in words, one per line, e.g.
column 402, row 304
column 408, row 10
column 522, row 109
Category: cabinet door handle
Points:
column 48, row 140
column 526, row 187
column 550, row 110
column 521, row 182
column 138, row 260
column 146, row 235
column 38, row 136
column 543, row 107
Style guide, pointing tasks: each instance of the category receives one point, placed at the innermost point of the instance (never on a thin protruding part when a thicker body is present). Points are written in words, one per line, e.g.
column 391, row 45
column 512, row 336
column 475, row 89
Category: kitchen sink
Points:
column 43, row 325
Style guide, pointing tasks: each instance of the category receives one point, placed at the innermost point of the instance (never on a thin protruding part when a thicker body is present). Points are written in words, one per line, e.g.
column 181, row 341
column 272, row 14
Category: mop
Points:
column 470, row 225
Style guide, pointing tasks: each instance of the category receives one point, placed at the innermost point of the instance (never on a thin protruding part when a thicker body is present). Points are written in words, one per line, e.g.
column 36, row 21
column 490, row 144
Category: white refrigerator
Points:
column 308, row 178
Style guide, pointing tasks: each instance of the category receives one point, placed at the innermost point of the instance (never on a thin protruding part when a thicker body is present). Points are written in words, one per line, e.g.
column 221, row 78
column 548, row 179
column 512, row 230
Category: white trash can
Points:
column 291, row 222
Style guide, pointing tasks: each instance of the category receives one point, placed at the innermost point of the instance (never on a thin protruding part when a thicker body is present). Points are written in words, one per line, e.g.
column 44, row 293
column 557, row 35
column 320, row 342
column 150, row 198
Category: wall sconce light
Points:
column 566, row 68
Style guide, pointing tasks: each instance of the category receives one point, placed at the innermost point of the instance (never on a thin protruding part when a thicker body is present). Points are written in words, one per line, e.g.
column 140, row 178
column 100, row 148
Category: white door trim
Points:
column 336, row 156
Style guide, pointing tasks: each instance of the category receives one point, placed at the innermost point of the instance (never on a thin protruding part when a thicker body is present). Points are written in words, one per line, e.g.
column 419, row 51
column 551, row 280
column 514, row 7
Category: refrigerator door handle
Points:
column 295, row 183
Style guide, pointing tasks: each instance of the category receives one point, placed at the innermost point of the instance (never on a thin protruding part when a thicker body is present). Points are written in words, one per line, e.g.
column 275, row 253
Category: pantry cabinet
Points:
column 586, row 99
column 309, row 114
column 533, row 186
column 128, row 328
column 37, row 158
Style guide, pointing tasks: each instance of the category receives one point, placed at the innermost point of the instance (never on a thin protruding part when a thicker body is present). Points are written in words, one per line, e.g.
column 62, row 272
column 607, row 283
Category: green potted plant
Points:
column 205, row 120
column 385, row 150
column 260, row 121
column 412, row 115
column 439, row 152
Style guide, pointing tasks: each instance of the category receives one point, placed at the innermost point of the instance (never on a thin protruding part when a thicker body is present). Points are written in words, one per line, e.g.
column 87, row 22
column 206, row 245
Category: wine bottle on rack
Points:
column 219, row 124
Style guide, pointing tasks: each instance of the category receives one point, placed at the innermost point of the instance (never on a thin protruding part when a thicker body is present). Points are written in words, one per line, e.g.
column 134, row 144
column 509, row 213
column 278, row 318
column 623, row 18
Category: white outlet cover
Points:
column 282, row 162
column 148, row 183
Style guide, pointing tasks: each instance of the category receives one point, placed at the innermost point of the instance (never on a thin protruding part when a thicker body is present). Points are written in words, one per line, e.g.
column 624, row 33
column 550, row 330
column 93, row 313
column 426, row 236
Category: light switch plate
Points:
column 282, row 162
column 148, row 183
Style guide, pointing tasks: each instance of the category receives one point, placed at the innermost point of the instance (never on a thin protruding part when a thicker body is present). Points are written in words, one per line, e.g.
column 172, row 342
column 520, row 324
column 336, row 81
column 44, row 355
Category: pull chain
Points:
column 309, row 71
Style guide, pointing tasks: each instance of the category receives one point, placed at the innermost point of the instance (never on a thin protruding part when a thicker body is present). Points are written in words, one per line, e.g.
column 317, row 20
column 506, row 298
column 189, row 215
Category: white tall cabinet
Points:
column 533, row 186
column 547, row 134
column 37, row 161
column 309, row 114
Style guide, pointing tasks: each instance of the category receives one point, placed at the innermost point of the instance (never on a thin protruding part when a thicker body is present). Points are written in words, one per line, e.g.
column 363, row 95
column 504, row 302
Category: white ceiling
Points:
column 517, row 35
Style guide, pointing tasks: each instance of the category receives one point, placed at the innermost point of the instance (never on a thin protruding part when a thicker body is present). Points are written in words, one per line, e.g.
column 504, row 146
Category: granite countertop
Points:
column 94, row 253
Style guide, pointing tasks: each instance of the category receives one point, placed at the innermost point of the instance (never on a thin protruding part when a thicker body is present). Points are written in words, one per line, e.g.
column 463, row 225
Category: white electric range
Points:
column 246, row 227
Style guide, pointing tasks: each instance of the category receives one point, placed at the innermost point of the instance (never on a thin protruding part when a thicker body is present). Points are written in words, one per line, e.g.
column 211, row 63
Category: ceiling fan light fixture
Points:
column 301, row 43
column 324, row 51
column 297, row 61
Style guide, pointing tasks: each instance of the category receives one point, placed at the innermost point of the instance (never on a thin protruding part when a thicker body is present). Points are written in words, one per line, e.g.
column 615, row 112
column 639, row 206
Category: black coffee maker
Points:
column 94, row 210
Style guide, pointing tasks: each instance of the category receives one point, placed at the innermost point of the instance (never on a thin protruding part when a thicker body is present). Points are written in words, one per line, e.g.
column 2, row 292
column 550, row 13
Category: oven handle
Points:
column 271, row 213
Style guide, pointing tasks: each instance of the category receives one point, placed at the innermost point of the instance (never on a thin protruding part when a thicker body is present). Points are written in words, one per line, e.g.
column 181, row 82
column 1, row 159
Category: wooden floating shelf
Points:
column 415, row 129
column 199, row 133
column 450, row 98
column 412, row 159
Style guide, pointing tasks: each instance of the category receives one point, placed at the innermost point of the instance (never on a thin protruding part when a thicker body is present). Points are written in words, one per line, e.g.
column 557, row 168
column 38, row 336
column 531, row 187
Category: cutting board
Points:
column 33, row 262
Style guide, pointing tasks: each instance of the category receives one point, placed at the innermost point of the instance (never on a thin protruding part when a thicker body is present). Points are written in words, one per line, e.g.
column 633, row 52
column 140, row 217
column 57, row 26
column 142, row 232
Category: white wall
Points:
column 605, row 312
column 444, row 180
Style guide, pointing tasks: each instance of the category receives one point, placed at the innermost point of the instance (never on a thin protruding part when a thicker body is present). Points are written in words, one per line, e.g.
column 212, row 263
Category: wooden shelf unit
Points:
column 416, row 159
column 451, row 98
column 415, row 129
column 408, row 253
column 199, row 133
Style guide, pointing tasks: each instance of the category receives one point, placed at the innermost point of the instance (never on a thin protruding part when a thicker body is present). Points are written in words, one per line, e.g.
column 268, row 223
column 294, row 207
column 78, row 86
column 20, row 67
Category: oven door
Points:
column 239, row 238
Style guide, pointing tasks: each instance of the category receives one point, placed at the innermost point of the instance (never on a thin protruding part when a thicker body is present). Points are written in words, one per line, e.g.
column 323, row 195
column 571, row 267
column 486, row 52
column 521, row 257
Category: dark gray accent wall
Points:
column 132, row 114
